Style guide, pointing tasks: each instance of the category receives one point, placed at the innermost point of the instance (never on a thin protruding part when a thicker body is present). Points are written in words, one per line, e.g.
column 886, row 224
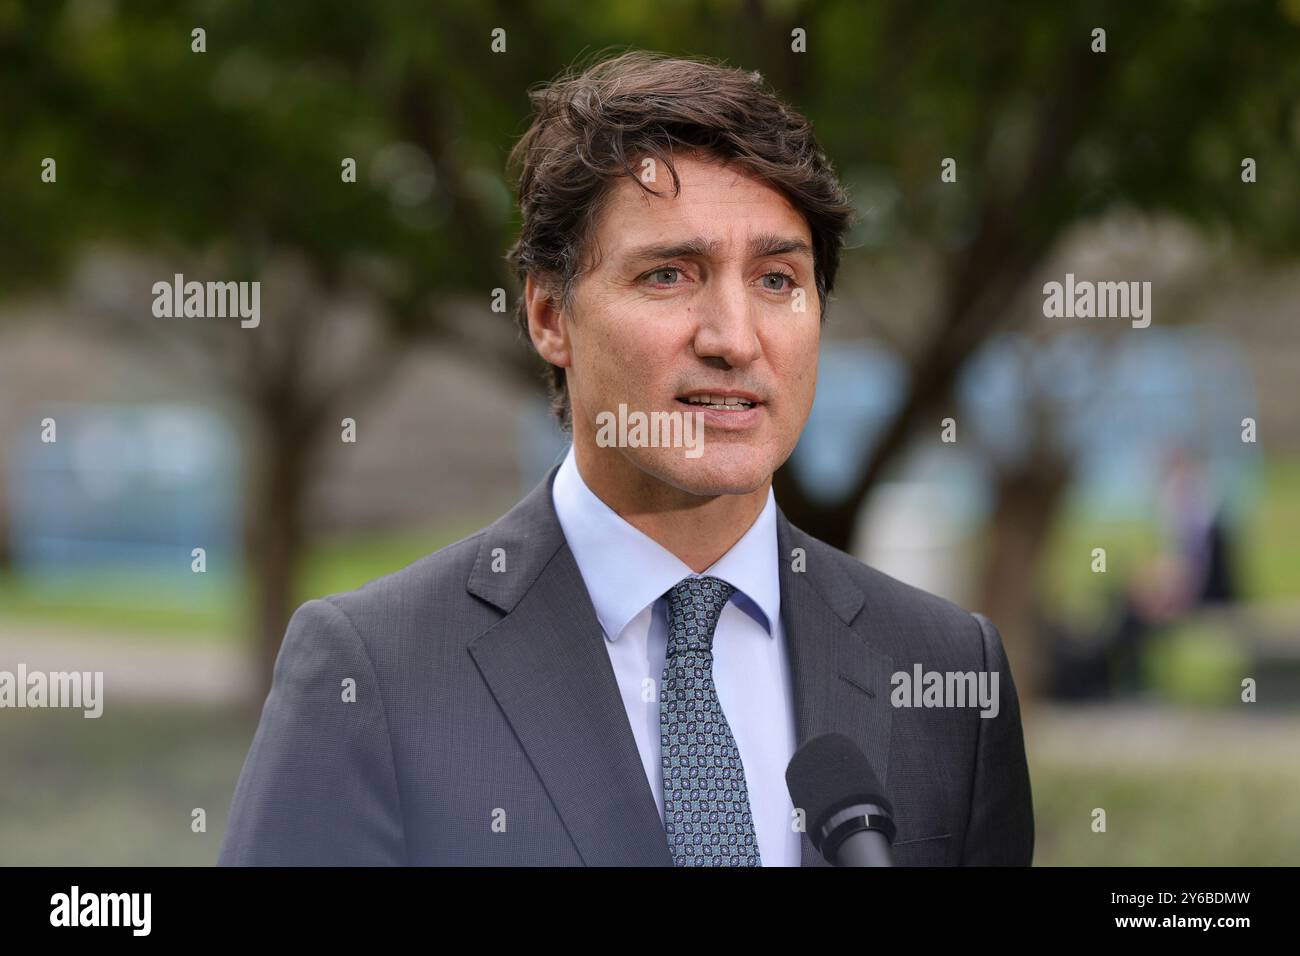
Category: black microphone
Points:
column 848, row 818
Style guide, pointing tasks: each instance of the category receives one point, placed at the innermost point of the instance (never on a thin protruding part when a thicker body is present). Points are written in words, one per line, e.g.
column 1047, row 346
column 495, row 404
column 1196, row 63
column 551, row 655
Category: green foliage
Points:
column 237, row 151
column 1199, row 663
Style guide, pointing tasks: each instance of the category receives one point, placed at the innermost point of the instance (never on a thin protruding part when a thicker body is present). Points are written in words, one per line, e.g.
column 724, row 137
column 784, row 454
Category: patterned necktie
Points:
column 706, row 803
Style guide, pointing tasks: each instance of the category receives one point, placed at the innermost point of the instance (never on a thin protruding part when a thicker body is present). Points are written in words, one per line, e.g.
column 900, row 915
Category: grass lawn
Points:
column 1189, row 816
column 118, row 790
column 209, row 607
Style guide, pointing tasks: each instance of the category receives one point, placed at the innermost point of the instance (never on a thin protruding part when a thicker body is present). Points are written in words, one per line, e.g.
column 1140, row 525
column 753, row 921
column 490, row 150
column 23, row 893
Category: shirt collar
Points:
column 625, row 570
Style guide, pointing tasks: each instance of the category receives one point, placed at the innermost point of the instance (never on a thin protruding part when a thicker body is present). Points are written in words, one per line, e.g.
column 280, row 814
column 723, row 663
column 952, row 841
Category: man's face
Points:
column 692, row 297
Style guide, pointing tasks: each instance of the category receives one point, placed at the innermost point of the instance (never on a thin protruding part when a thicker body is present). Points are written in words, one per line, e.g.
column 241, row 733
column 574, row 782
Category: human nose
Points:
column 727, row 330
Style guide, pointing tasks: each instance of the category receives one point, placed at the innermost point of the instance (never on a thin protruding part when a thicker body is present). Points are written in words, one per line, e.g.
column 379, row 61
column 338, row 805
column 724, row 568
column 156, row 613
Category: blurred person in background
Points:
column 1193, row 570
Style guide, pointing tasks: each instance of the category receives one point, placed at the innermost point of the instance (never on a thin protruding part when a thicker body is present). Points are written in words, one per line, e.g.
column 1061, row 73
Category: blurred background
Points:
column 1123, row 502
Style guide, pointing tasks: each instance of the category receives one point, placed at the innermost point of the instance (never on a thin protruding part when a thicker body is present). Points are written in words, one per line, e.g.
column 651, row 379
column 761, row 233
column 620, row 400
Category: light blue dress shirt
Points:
column 626, row 573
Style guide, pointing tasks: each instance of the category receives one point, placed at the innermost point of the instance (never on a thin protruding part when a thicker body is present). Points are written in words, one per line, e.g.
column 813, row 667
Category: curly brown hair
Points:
column 591, row 124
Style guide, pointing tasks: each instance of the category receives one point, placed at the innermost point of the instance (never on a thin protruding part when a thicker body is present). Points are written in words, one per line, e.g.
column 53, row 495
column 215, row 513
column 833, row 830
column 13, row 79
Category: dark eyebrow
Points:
column 697, row 247
column 700, row 248
column 770, row 245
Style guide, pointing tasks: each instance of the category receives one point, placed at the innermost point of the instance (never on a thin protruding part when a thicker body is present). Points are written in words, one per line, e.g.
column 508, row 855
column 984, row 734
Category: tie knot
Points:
column 694, row 605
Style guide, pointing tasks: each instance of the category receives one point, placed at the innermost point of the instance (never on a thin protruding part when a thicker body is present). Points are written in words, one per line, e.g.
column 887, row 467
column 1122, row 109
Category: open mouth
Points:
column 720, row 401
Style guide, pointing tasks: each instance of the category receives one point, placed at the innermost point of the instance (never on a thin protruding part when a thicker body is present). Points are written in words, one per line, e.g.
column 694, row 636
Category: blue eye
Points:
column 781, row 279
column 656, row 275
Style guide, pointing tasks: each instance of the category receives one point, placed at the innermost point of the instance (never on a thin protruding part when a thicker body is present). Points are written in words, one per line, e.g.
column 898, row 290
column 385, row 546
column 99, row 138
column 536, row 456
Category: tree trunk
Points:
column 276, row 539
column 1027, row 503
column 980, row 280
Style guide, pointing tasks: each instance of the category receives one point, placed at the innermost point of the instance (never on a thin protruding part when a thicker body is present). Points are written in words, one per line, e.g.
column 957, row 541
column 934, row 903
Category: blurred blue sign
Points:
column 124, row 489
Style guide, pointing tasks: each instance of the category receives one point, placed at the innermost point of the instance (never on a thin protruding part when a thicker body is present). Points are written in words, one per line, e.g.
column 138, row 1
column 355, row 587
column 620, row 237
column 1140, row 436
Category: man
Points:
column 618, row 671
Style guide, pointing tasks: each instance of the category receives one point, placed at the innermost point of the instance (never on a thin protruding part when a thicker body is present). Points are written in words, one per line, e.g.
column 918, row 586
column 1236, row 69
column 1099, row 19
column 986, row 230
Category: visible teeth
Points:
column 719, row 401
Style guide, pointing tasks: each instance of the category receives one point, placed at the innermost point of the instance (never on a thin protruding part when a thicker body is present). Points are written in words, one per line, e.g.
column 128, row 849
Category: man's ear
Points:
column 547, row 325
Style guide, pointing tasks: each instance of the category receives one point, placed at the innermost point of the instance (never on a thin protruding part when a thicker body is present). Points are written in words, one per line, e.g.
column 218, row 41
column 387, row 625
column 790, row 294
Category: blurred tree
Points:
column 229, row 164
column 228, row 161
column 1048, row 133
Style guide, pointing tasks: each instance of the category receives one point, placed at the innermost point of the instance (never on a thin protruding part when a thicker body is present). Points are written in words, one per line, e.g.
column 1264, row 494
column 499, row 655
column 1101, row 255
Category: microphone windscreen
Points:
column 829, row 773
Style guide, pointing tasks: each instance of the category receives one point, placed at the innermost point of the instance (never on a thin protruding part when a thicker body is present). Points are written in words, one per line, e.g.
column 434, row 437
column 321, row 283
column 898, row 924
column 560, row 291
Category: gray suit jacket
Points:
column 487, row 727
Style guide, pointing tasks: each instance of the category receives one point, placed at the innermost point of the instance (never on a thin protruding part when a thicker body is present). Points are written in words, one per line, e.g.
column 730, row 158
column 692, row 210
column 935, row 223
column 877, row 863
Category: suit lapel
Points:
column 547, row 667
column 841, row 682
